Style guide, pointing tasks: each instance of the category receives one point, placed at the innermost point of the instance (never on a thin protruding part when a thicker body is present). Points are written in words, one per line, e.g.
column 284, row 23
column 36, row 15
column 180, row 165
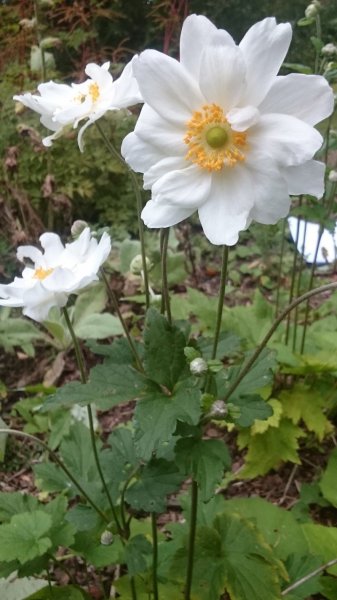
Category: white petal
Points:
column 167, row 87
column 139, row 154
column 187, row 188
column 39, row 301
column 269, row 191
column 99, row 74
column 308, row 234
column 307, row 97
column 159, row 214
column 225, row 214
column 243, row 118
column 264, row 47
column 162, row 167
column 125, row 89
column 285, row 139
column 53, row 247
column 31, row 252
column 307, row 178
column 196, row 33
column 80, row 140
column 222, row 74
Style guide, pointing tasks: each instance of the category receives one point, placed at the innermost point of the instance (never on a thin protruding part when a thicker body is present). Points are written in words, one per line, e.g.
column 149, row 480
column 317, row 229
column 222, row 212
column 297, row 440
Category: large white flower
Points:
column 62, row 106
column 55, row 273
column 221, row 133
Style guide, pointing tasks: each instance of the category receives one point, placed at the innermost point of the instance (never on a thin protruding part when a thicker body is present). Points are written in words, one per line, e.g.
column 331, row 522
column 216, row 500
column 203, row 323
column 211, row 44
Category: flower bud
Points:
column 198, row 366
column 329, row 49
column 77, row 228
column 136, row 265
column 218, row 410
column 107, row 538
column 333, row 176
column 311, row 11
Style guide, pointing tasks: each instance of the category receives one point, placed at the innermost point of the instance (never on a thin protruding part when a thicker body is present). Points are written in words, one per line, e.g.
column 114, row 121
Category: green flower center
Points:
column 216, row 137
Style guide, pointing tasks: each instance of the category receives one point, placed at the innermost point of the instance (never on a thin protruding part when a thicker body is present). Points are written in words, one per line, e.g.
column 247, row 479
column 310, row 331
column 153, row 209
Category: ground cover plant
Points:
column 169, row 396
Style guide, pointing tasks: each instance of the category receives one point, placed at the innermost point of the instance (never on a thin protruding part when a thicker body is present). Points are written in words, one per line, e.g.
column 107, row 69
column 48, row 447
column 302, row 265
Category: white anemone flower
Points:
column 55, row 273
column 307, row 235
column 62, row 106
column 221, row 133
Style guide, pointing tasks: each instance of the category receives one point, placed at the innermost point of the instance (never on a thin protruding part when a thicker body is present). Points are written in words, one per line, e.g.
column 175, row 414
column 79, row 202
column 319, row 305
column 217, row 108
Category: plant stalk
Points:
column 279, row 274
column 191, row 541
column 80, row 362
column 165, row 288
column 320, row 290
column 222, row 290
column 138, row 196
column 62, row 466
column 306, row 578
column 154, row 556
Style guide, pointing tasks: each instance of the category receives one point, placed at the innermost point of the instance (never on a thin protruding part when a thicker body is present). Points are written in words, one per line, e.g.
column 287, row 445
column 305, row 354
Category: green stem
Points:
column 320, row 290
column 191, row 541
column 319, row 37
column 62, row 466
column 279, row 274
column 222, row 290
column 298, row 287
column 165, row 288
column 154, row 556
column 133, row 588
column 138, row 196
column 80, row 362
column 306, row 578
column 293, row 273
column 114, row 302
column 39, row 40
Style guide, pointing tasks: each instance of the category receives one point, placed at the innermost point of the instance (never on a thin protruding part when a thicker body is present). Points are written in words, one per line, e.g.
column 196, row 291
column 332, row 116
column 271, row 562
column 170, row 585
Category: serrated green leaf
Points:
column 257, row 378
column 108, row 386
column 273, row 421
column 277, row 525
column 12, row 503
column 300, row 566
column 229, row 344
column 92, row 300
column 231, row 556
column 329, row 587
column 154, row 482
column 304, row 403
column 120, row 460
column 252, row 408
column 18, row 332
column 118, row 352
column 322, row 542
column 98, row 326
column 267, row 450
column 24, row 538
column 156, row 416
column 328, row 483
column 164, row 358
column 88, row 545
column 206, row 460
column 137, row 552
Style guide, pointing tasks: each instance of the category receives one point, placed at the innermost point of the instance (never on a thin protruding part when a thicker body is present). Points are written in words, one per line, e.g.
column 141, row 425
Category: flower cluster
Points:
column 220, row 132
column 55, row 273
column 64, row 106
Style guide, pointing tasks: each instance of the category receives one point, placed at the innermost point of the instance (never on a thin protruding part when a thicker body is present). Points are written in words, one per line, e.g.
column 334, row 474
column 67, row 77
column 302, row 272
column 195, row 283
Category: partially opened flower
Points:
column 221, row 133
column 62, row 106
column 55, row 273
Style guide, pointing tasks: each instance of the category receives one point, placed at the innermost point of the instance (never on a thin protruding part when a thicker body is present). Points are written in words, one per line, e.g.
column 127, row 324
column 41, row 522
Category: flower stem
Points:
column 222, row 290
column 191, row 541
column 165, row 288
column 154, row 556
column 114, row 302
column 306, row 578
column 324, row 288
column 114, row 152
column 62, row 466
column 293, row 272
column 80, row 362
column 279, row 274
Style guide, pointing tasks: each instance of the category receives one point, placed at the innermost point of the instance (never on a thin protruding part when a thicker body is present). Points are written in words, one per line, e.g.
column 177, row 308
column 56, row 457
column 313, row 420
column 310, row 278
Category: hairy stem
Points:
column 191, row 541
column 80, row 362
column 138, row 196
column 222, row 290
column 62, row 466
column 320, row 290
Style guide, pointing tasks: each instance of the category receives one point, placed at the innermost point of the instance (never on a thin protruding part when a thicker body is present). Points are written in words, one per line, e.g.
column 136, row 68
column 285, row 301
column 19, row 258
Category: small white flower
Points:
column 55, row 273
column 198, row 366
column 62, row 106
column 312, row 10
column 221, row 133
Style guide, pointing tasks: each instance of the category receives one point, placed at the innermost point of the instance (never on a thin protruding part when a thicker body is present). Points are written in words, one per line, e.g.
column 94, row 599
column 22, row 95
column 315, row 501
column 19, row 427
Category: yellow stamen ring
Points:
column 212, row 143
column 41, row 273
column 94, row 91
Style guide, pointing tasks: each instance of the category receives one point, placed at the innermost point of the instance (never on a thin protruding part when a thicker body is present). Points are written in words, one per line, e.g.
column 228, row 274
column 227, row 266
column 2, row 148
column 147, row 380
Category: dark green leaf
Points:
column 137, row 552
column 251, row 408
column 69, row 592
column 258, row 376
column 299, row 566
column 206, row 460
column 154, row 482
column 12, row 503
column 164, row 358
column 24, row 538
column 157, row 414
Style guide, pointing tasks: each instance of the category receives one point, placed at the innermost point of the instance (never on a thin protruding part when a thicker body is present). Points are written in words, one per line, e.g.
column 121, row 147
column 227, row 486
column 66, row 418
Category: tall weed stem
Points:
column 154, row 556
column 165, row 233
column 191, row 540
column 222, row 290
column 80, row 362
column 114, row 152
